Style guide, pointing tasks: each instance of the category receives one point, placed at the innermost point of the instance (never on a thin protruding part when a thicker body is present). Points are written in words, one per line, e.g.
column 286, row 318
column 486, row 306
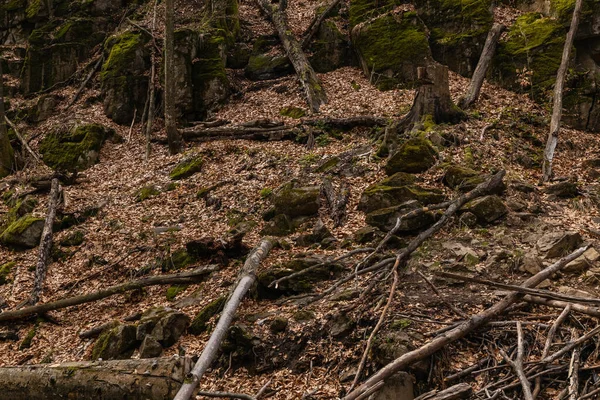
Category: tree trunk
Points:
column 45, row 243
column 173, row 136
column 6, row 151
column 150, row 378
column 313, row 88
column 558, row 92
column 194, row 276
column 482, row 66
column 151, row 98
column 243, row 284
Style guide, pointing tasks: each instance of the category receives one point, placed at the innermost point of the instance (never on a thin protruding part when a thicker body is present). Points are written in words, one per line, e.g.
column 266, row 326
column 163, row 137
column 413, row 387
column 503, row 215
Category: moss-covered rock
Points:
column 177, row 260
column 363, row 10
column 6, row 270
column 115, row 344
column 265, row 67
column 295, row 200
column 146, row 192
column 487, row 209
column 391, row 47
column 279, row 225
column 200, row 321
column 74, row 150
column 187, row 167
column 20, row 207
column 23, row 233
column 462, row 178
column 278, row 324
column 6, row 157
column 26, row 342
column 174, row 290
column 164, row 324
column 379, row 196
column 414, row 155
column 292, row 112
column 385, row 218
column 73, row 239
column 330, row 49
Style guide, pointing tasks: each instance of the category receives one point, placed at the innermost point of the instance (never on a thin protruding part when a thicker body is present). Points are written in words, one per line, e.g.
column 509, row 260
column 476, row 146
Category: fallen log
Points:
column 313, row 88
column 194, row 276
column 239, row 133
column 474, row 322
column 150, row 378
column 246, row 279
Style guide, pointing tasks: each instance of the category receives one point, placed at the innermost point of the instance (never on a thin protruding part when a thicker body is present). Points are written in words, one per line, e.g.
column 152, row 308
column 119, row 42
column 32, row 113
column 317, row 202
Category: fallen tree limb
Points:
column 246, row 280
column 315, row 24
column 574, row 372
column 87, row 79
column 45, row 243
column 150, row 378
column 458, row 391
column 194, row 276
column 517, row 364
column 35, row 156
column 460, row 331
column 313, row 88
column 593, row 311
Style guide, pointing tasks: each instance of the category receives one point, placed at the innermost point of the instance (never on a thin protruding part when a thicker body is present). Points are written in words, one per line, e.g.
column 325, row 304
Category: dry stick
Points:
column 563, row 315
column 535, row 292
column 35, row 156
column 590, row 394
column 363, row 360
column 181, row 278
column 482, row 66
column 87, row 79
column 226, row 395
column 574, row 371
column 437, row 292
column 568, row 347
column 517, row 364
column 45, row 243
column 460, row 331
column 132, row 124
column 561, row 76
column 263, row 389
column 593, row 311
column 246, row 280
column 315, row 24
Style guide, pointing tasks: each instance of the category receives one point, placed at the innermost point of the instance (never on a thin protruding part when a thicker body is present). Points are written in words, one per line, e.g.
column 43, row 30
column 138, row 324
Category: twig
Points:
column 517, row 364
column 574, row 370
column 590, row 394
column 23, row 141
column 263, row 389
column 437, row 292
column 85, row 82
column 569, row 346
column 132, row 124
column 593, row 311
column 226, row 395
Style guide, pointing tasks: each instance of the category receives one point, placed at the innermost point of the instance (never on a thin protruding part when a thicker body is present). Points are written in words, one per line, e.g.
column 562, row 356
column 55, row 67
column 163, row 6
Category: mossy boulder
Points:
column 487, row 209
column 74, row 150
column 391, row 47
column 462, row 178
column 23, row 233
column 146, row 192
column 164, row 324
column 379, row 196
column 6, row 270
column 385, row 218
column 6, row 157
column 73, row 239
column 200, row 321
column 174, row 290
column 123, row 76
column 363, row 10
column 177, row 260
column 330, row 49
column 563, row 189
column 280, row 225
column 414, row 155
column 117, row 343
column 264, row 67
column 295, row 200
column 187, row 167
column 20, row 207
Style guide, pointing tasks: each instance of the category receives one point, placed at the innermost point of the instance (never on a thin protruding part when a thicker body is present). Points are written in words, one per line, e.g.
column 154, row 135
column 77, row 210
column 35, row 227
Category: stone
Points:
column 318, row 235
column 330, row 48
column 391, row 344
column 187, row 167
column 295, row 200
column 200, row 322
column 397, row 387
column 265, row 67
column 278, row 324
column 562, row 189
column 487, row 209
column 558, row 244
column 414, row 155
column 468, row 219
column 340, row 325
column 280, row 225
column 386, row 218
column 23, row 233
column 523, row 187
column 379, row 196
column 240, row 342
column 461, row 178
column 366, row 235
column 588, row 259
column 150, row 348
column 117, row 343
column 346, row 295
column 73, row 239
column 165, row 325
column 532, row 264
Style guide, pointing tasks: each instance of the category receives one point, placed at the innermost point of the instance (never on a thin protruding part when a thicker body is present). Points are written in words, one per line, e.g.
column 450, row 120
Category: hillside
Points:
column 124, row 217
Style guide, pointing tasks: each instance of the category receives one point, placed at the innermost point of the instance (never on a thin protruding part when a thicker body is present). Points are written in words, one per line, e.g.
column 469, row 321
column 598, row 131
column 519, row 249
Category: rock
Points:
column 562, row 189
column 569, row 291
column 385, row 218
column 294, row 200
column 23, row 233
column 165, row 325
column 397, row 387
column 346, row 295
column 5, row 271
column 414, row 155
column 200, row 321
column 115, row 344
column 238, row 56
column 319, row 234
column 468, row 219
column 461, row 178
column 76, row 149
column 589, row 258
column 240, row 342
column 558, row 244
column 340, row 325
column 366, row 235
column 379, row 196
column 73, row 239
column 280, row 225
column 330, row 49
column 389, row 345
column 487, row 209
column 523, row 187
column 187, row 167
column 150, row 348
column 532, row 264
column 278, row 324
column 265, row 67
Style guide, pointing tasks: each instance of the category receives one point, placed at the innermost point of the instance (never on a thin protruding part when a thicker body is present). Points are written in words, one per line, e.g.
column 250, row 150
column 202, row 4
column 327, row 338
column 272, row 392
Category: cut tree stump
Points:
column 150, row 378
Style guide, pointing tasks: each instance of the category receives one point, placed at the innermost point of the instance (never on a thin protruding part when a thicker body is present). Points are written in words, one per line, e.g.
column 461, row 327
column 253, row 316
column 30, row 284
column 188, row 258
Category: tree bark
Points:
column 173, row 136
column 246, row 280
column 558, row 93
column 313, row 88
column 6, row 151
column 45, row 243
column 482, row 66
column 151, row 378
column 460, row 331
column 194, row 276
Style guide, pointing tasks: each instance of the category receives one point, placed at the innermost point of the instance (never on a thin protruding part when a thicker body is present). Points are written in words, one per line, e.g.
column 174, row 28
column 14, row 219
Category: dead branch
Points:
column 593, row 311
column 246, row 279
column 458, row 391
column 315, row 24
column 437, row 292
column 574, row 371
column 35, row 156
column 226, row 395
column 570, row 346
column 194, row 276
column 460, row 331
column 86, row 81
column 517, row 364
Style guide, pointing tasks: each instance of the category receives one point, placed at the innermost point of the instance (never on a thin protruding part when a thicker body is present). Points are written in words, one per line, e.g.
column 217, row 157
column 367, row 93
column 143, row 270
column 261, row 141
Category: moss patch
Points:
column 292, row 112
column 74, row 239
column 146, row 192
column 26, row 343
column 174, row 290
column 187, row 168
column 5, row 271
column 200, row 321
column 362, row 10
column 122, row 54
column 177, row 260
column 414, row 155
column 24, row 232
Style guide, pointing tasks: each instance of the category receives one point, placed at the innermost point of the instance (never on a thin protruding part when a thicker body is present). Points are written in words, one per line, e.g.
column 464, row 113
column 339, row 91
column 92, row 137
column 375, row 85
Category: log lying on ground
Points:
column 45, row 243
column 150, row 378
column 194, row 276
column 313, row 88
column 482, row 66
column 246, row 279
column 460, row 331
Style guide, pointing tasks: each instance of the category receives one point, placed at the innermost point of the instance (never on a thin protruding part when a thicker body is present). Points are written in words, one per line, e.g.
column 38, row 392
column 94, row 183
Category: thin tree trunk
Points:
column 150, row 378
column 313, row 88
column 482, row 66
column 460, row 331
column 173, row 136
column 151, row 99
column 558, row 93
column 6, row 152
column 194, row 276
column 45, row 243
column 243, row 284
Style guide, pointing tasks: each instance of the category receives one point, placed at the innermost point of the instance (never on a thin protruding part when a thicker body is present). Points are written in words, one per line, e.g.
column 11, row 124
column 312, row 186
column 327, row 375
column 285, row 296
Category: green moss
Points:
column 33, row 8
column 75, row 150
column 177, row 260
column 174, row 290
column 102, row 342
column 122, row 54
column 21, row 208
column 26, row 343
column 362, row 10
column 200, row 321
column 16, row 229
column 400, row 324
column 292, row 112
column 146, row 192
column 208, row 72
column 266, row 192
column 5, row 271
column 414, row 155
column 454, row 21
column 187, row 168
column 74, row 239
